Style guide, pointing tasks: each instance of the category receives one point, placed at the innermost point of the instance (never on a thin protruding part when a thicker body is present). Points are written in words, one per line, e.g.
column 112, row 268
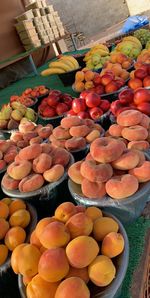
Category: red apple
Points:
column 141, row 95
column 14, row 98
column 144, row 107
column 92, row 100
column 61, row 108
column 146, row 81
column 55, row 92
column 115, row 106
column 49, row 112
column 135, row 83
column 52, row 100
column 27, row 91
column 106, row 79
column 123, row 109
column 83, row 115
column 78, row 105
column 84, row 93
column 97, row 80
column 104, row 105
column 111, row 87
column 71, row 113
column 67, row 99
column 96, row 113
column 119, row 82
column 126, row 96
column 44, row 100
column 140, row 73
column 100, row 89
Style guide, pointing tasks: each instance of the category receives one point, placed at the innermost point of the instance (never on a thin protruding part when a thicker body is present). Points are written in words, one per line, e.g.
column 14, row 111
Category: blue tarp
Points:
column 133, row 23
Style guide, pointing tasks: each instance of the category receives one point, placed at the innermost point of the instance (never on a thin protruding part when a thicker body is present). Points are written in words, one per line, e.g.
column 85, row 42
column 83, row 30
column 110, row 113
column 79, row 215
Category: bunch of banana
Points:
column 97, row 56
column 62, row 65
column 130, row 46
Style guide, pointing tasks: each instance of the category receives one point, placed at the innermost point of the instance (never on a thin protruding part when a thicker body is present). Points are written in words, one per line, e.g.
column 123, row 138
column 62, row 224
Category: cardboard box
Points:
column 36, row 12
column 30, row 40
column 55, row 14
column 42, row 34
column 37, row 21
column 44, row 3
column 44, row 18
column 62, row 32
column 32, row 46
column 50, row 17
column 49, row 31
column 54, row 29
column 49, row 9
column 27, row 33
column 33, row 5
column 42, row 11
column 51, row 37
column 24, row 25
column 39, row 28
column 28, row 15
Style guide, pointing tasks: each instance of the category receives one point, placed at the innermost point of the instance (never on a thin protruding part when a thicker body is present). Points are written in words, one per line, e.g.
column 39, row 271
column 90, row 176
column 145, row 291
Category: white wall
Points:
column 138, row 6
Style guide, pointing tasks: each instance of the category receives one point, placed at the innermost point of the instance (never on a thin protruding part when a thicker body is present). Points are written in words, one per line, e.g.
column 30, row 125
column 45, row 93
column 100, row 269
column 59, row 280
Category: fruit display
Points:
column 96, row 57
column 62, row 65
column 23, row 99
column 143, row 35
column 75, row 133
column 140, row 77
column 116, row 160
column 8, row 152
column 118, row 57
column 68, row 251
column 11, row 115
column 130, row 46
column 89, row 106
column 55, row 104
column 15, row 219
column 132, row 99
column 29, row 133
column 35, row 166
column 144, row 56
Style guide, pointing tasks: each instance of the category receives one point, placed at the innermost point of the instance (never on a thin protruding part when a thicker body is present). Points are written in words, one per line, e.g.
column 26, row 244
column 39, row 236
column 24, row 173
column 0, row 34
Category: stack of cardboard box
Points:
column 40, row 24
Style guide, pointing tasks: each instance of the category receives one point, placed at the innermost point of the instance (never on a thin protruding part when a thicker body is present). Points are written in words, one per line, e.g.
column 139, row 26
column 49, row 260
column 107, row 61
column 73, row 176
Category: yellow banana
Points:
column 68, row 62
column 133, row 39
column 51, row 71
column 61, row 65
column 101, row 46
column 73, row 60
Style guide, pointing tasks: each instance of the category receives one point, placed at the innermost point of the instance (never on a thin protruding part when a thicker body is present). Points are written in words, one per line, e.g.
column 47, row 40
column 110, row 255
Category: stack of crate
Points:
column 46, row 25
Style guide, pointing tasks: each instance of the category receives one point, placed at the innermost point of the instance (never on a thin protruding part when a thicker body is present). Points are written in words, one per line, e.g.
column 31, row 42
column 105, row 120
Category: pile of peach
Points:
column 8, row 151
column 75, row 133
column 14, row 218
column 29, row 133
column 140, row 77
column 116, row 164
column 68, row 250
column 118, row 58
column 35, row 165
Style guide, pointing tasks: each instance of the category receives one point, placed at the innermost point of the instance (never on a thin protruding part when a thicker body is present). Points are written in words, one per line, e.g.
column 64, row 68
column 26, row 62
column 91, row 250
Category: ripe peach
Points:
column 10, row 183
column 79, row 131
column 60, row 156
column 80, row 208
column 15, row 256
column 54, row 173
column 14, row 237
column 139, row 145
column 35, row 240
column 142, row 173
column 4, row 227
column 19, row 170
column 103, row 226
column 16, row 205
column 128, row 160
column 145, row 122
column 4, row 145
column 42, row 163
column 75, row 143
column 57, row 143
column 55, row 234
column 87, row 249
column 16, row 136
column 61, row 133
column 96, row 172
column 115, row 130
column 46, row 148
column 38, row 287
column 79, row 272
column 30, row 152
column 102, row 271
column 94, row 134
column 10, row 156
column 135, row 133
column 129, row 118
column 36, row 140
column 4, row 210
column 64, row 211
column 141, row 156
column 53, row 265
column 2, row 164
column 79, row 224
column 126, row 64
column 29, row 135
column 74, row 172
column 27, row 126
column 28, row 260
column 74, row 285
column 7, row 201
column 89, row 157
column 93, row 213
column 31, row 183
column 42, row 224
column 135, row 83
column 3, row 253
column 112, row 245
column 68, row 122
column 20, row 218
column 93, row 190
column 22, row 144
column 44, row 132
column 26, row 280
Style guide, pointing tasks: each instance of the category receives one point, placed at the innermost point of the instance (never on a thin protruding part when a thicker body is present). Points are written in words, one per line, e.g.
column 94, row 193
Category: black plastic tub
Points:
column 68, row 78
column 55, row 121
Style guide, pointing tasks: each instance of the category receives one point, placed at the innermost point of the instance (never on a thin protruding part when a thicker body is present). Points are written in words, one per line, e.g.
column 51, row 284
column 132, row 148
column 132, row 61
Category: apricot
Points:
column 106, row 149
column 79, row 224
column 93, row 190
column 79, row 86
column 55, row 234
column 64, row 211
column 128, row 160
column 61, row 133
column 31, row 183
column 74, row 285
column 20, row 218
column 30, row 152
column 94, row 134
column 44, row 132
column 124, row 74
column 42, row 163
column 28, row 260
column 104, row 225
column 102, row 271
column 19, row 170
column 35, row 240
column 10, row 183
column 79, row 131
column 135, row 133
column 26, row 280
column 3, row 253
column 38, row 287
column 115, row 130
column 89, row 75
column 68, row 122
column 74, row 172
column 93, row 213
column 4, row 210
column 42, row 224
column 139, row 145
column 117, row 188
column 79, row 76
column 54, row 173
column 79, row 272
column 4, row 227
column 112, row 245
column 88, row 85
column 142, row 173
column 7, row 201
column 75, row 143
column 87, row 249
column 96, row 172
column 126, row 64
column 135, row 83
column 16, row 205
column 53, row 264
column 60, row 156
column 129, row 118
column 14, row 237
column 15, row 256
